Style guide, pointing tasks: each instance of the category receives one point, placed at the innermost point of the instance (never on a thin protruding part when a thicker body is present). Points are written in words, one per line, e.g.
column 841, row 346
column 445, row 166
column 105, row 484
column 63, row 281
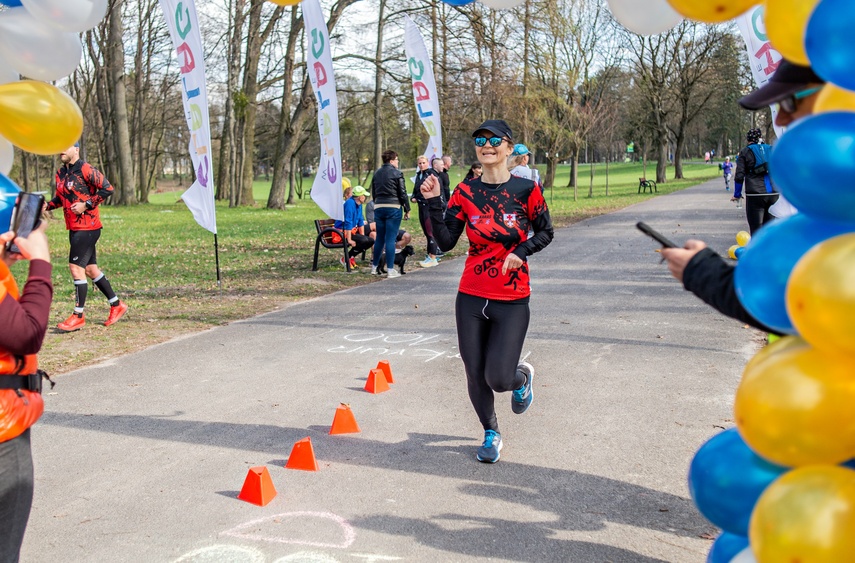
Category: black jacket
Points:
column 710, row 278
column 421, row 176
column 753, row 182
column 387, row 186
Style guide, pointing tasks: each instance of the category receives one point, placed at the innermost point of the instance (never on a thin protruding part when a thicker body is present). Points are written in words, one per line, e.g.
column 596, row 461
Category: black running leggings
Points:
column 490, row 335
column 757, row 210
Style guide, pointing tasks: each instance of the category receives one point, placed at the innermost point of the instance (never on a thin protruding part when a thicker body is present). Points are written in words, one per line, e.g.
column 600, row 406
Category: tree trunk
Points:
column 662, row 162
column 378, row 88
column 126, row 191
column 678, row 154
column 227, row 161
column 289, row 126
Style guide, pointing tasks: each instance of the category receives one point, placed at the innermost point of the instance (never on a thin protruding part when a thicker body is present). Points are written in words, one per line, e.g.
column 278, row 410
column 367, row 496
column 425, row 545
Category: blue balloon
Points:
column 458, row 2
column 8, row 193
column 828, row 42
column 768, row 260
column 726, row 478
column 11, row 3
column 725, row 547
column 814, row 166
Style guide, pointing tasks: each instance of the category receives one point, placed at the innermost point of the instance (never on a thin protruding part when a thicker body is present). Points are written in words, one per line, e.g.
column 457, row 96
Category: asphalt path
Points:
column 141, row 458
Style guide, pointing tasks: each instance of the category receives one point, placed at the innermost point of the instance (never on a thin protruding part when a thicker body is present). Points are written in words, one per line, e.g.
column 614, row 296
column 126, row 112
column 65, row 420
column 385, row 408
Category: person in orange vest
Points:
column 23, row 323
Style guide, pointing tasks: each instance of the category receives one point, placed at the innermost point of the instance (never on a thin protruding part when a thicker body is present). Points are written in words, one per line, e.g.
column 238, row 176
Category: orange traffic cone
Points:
column 302, row 456
column 376, row 382
column 258, row 487
column 344, row 421
column 383, row 365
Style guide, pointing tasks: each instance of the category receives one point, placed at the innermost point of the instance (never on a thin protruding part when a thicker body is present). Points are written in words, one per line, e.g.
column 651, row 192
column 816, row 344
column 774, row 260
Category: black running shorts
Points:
column 82, row 251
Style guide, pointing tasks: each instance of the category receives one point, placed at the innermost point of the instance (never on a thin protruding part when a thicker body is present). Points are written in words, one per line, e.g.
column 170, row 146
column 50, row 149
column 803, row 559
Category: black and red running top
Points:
column 497, row 219
column 80, row 182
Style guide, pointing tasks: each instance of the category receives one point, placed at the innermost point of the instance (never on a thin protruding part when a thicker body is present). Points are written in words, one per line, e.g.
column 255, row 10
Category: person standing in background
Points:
column 423, row 173
column 389, row 193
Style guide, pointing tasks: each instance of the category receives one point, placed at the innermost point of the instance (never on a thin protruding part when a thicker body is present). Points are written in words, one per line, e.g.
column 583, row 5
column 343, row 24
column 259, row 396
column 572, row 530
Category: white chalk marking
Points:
column 349, row 534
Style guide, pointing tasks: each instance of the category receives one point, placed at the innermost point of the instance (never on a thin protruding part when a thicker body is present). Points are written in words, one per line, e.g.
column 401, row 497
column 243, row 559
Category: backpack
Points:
column 762, row 152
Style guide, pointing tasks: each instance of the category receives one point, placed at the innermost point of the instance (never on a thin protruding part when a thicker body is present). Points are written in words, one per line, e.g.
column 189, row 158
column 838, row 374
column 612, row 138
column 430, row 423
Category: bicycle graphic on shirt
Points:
column 489, row 266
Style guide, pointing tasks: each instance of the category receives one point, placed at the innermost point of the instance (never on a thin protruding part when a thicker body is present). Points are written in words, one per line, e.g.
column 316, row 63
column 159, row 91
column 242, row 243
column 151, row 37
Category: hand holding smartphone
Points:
column 26, row 217
column 655, row 235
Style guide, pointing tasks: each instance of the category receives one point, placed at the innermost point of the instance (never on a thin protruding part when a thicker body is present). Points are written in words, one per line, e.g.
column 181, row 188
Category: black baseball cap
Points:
column 496, row 127
column 789, row 79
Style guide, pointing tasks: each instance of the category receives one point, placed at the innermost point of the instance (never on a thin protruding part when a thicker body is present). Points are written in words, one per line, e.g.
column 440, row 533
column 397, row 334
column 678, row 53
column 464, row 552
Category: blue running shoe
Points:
column 489, row 450
column 521, row 398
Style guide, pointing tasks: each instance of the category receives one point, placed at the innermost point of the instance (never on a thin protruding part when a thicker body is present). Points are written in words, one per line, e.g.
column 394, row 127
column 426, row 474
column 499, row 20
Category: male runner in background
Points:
column 80, row 189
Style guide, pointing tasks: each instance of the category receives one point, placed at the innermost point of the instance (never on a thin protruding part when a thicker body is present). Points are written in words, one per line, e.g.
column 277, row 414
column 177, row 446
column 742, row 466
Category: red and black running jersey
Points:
column 497, row 220
column 80, row 182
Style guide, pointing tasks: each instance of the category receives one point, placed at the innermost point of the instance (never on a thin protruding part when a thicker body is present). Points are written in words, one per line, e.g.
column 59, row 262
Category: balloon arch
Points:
column 780, row 485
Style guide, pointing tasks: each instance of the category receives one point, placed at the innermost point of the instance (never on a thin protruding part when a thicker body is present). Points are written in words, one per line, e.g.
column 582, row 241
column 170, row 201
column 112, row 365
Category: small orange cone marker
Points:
column 376, row 382
column 383, row 365
column 302, row 456
column 344, row 422
column 258, row 487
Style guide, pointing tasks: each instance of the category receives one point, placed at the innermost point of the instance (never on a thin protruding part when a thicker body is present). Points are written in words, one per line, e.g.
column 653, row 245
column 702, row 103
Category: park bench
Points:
column 644, row 184
column 332, row 238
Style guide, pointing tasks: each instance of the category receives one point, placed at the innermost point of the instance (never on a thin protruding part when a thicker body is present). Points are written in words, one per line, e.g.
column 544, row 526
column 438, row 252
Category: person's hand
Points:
column 735, row 198
column 7, row 257
column 677, row 258
column 512, row 262
column 78, row 207
column 430, row 187
column 407, row 216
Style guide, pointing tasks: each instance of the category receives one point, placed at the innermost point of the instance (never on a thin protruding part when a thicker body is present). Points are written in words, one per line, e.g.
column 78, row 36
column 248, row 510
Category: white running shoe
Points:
column 373, row 270
column 393, row 273
column 428, row 262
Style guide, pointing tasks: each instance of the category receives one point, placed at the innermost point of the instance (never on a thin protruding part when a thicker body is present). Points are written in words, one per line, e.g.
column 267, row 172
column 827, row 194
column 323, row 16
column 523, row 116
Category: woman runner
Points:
column 497, row 211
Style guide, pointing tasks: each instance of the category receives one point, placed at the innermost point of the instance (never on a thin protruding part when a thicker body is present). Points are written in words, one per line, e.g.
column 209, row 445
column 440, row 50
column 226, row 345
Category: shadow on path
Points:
column 574, row 501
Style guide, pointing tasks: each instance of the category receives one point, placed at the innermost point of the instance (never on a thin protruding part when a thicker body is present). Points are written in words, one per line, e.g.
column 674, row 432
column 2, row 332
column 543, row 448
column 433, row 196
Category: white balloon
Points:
column 744, row 556
column 37, row 50
column 7, row 155
column 502, row 4
column 7, row 73
column 645, row 17
column 68, row 15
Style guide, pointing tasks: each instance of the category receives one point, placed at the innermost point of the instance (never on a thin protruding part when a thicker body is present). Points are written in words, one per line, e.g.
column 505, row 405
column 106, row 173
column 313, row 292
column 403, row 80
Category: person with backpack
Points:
column 752, row 173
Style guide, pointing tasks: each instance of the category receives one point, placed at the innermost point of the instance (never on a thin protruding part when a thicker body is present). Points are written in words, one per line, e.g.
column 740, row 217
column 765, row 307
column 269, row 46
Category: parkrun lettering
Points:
column 424, row 88
column 321, row 80
column 190, row 81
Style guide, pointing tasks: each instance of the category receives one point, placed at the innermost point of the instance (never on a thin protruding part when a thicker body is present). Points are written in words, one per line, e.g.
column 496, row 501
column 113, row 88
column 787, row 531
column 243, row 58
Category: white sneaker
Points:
column 393, row 273
column 373, row 270
column 428, row 262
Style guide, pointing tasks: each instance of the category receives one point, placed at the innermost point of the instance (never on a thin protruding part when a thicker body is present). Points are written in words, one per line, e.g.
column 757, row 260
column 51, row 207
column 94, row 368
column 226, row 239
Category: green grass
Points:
column 162, row 263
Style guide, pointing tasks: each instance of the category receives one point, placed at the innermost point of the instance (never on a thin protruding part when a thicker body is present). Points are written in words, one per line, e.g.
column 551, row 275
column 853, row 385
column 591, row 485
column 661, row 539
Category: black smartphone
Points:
column 26, row 217
column 654, row 234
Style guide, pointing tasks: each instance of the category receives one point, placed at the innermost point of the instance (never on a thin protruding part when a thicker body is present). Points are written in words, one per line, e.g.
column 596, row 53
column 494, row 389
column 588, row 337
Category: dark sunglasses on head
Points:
column 494, row 141
column 789, row 104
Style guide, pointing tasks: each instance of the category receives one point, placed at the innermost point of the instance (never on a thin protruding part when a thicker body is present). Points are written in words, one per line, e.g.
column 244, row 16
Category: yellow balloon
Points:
column 732, row 251
column 821, row 295
column 770, row 353
column 806, row 515
column 834, row 98
column 742, row 238
column 795, row 407
column 786, row 23
column 712, row 11
column 285, row 2
column 38, row 117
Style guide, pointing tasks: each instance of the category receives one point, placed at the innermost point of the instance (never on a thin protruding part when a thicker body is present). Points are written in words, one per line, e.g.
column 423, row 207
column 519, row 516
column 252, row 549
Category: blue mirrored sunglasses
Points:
column 494, row 141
